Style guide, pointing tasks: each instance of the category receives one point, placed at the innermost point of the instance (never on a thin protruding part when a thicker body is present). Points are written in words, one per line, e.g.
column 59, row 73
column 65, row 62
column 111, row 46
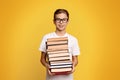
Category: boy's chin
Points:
column 61, row 29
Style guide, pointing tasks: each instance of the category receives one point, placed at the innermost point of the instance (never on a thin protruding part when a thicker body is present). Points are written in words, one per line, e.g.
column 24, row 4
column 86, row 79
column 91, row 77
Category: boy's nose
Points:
column 61, row 21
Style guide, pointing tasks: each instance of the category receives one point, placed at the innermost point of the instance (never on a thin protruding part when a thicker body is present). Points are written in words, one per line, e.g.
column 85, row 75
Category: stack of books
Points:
column 58, row 55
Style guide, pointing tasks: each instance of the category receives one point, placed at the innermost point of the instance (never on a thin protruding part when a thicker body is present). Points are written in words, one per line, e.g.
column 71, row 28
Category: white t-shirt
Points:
column 73, row 50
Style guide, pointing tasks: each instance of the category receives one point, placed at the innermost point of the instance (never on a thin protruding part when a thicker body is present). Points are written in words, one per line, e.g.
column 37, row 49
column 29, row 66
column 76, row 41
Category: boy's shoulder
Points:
column 49, row 34
column 72, row 37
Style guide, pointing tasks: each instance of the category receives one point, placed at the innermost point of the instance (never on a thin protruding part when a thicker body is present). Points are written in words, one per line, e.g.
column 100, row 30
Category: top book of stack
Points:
column 57, row 39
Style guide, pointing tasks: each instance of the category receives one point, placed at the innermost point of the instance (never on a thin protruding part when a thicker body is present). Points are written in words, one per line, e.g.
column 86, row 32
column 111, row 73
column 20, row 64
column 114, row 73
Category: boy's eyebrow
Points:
column 61, row 18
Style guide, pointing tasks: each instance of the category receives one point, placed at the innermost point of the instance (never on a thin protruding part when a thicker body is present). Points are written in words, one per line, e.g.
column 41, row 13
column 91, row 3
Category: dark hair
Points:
column 58, row 11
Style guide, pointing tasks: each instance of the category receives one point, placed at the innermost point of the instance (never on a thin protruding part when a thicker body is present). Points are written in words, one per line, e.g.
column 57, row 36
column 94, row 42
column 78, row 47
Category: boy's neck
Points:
column 60, row 33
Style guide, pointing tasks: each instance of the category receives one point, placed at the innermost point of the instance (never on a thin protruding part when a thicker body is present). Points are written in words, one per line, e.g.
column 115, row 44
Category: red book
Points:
column 62, row 73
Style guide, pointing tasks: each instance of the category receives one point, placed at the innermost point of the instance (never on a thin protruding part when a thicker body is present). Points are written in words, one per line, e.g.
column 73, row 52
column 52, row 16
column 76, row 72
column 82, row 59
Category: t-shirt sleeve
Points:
column 42, row 47
column 76, row 49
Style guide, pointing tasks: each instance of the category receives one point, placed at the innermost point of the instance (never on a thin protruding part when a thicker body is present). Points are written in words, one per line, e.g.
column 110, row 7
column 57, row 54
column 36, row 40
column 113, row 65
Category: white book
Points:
column 60, row 66
column 59, row 58
column 57, row 51
column 66, row 61
column 62, row 63
column 58, row 55
column 61, row 69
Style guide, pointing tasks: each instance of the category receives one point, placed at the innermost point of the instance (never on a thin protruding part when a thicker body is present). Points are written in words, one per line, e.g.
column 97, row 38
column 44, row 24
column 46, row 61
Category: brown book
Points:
column 59, row 58
column 61, row 62
column 57, row 51
column 57, row 42
column 61, row 69
column 57, row 39
column 62, row 73
column 57, row 47
column 58, row 55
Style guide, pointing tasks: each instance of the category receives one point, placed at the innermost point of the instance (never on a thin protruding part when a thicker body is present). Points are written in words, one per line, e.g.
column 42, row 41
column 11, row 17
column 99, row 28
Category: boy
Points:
column 61, row 19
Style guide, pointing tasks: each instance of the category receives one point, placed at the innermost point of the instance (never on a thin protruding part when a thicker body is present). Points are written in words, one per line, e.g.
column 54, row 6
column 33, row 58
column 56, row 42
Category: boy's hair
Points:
column 58, row 11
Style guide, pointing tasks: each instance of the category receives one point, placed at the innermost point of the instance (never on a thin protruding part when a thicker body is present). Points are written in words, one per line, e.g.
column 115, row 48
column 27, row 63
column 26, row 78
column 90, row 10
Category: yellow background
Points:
column 94, row 22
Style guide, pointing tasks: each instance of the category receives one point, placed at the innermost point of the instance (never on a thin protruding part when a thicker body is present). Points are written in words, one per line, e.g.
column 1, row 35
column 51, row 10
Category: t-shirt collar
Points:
column 65, row 35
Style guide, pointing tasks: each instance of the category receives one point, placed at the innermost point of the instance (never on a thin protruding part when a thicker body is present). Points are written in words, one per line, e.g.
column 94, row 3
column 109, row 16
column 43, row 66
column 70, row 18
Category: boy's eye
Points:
column 59, row 20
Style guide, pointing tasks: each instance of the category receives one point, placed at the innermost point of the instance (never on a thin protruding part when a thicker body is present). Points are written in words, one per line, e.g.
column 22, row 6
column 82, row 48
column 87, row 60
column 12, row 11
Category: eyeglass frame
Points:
column 58, row 20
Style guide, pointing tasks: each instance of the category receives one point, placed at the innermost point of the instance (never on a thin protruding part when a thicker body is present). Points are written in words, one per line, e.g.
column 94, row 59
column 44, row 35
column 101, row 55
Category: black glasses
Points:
column 58, row 20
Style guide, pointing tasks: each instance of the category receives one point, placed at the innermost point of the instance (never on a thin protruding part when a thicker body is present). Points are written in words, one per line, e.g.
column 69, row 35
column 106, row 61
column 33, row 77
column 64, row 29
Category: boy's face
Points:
column 61, row 21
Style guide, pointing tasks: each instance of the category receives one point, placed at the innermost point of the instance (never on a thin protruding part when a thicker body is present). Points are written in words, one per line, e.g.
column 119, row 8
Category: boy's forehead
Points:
column 61, row 15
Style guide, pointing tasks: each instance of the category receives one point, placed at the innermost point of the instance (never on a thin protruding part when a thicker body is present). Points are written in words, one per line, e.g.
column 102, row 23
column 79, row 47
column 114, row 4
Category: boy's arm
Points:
column 75, row 60
column 43, row 60
column 44, row 63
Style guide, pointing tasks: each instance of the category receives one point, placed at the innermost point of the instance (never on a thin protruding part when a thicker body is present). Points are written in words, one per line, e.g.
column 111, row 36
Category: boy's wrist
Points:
column 47, row 65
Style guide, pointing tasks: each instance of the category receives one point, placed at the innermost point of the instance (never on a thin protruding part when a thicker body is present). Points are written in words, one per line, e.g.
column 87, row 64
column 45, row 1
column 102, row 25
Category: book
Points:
column 59, row 58
column 61, row 62
column 56, row 42
column 58, row 55
column 57, row 51
column 61, row 66
column 62, row 73
column 57, row 47
column 57, row 39
column 61, row 69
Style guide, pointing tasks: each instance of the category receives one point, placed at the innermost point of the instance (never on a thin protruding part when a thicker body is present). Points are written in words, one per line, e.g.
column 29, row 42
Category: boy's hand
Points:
column 48, row 69
column 51, row 74
column 73, row 69
column 47, row 65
